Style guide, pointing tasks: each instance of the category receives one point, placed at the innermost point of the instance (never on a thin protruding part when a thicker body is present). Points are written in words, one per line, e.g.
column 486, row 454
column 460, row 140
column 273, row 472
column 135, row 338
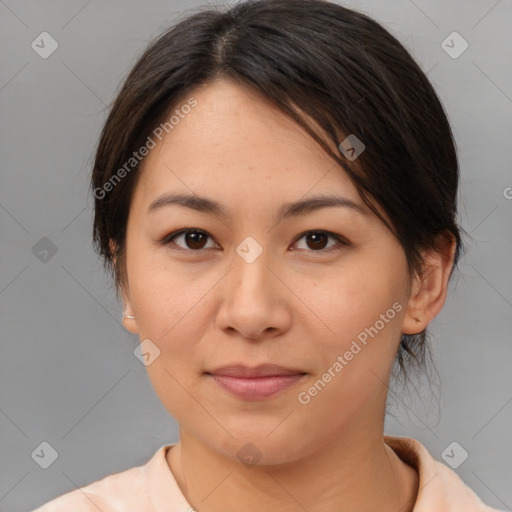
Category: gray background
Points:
column 67, row 369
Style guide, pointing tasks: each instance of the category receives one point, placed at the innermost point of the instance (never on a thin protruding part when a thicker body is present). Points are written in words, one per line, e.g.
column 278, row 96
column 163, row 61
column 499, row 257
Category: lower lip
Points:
column 257, row 387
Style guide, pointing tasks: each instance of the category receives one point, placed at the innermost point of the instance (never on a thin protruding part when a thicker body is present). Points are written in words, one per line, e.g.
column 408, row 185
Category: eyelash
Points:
column 168, row 239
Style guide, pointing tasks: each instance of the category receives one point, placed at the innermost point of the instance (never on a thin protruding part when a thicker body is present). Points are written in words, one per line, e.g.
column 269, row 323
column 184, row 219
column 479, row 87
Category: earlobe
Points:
column 130, row 323
column 129, row 320
column 429, row 288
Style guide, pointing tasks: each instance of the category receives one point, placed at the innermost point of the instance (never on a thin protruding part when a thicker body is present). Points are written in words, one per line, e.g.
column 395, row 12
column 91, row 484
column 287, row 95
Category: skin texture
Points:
column 300, row 304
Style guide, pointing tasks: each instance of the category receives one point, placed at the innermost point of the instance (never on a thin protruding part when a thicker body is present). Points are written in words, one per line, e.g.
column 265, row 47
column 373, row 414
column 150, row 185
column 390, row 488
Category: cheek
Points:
column 171, row 312
column 351, row 301
column 164, row 295
column 353, row 364
column 363, row 309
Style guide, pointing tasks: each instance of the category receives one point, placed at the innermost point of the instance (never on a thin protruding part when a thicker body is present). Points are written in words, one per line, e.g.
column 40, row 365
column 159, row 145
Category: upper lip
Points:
column 263, row 370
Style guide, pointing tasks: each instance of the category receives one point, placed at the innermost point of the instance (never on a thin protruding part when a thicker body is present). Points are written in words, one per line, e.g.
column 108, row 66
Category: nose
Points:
column 255, row 302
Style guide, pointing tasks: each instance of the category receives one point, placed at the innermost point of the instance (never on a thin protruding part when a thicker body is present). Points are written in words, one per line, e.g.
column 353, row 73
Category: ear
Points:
column 429, row 288
column 130, row 324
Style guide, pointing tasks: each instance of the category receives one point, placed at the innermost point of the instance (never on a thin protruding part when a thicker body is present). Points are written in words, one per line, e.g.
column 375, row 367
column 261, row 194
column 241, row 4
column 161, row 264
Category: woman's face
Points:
column 317, row 290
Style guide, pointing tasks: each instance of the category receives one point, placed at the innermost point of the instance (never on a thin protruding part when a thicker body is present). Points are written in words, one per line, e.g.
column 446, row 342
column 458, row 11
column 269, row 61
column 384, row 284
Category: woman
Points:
column 275, row 195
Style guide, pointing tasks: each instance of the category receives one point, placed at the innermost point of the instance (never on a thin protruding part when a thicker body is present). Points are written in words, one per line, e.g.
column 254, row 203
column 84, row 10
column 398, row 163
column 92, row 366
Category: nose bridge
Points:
column 250, row 275
column 250, row 302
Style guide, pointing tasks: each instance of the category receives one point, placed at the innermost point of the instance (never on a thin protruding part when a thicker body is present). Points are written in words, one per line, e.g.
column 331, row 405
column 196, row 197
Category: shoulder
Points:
column 77, row 501
column 121, row 491
column 440, row 488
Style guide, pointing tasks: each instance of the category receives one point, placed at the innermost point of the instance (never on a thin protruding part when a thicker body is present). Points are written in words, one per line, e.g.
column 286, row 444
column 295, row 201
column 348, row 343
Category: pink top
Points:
column 153, row 488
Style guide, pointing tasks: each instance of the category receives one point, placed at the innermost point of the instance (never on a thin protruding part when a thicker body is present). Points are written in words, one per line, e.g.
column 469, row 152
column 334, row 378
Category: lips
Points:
column 263, row 370
column 255, row 383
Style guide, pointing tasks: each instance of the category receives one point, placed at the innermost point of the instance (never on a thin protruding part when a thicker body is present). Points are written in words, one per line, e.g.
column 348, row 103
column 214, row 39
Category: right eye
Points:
column 192, row 239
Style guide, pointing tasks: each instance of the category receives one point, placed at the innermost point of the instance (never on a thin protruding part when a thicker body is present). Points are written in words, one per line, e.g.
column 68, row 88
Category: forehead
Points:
column 235, row 141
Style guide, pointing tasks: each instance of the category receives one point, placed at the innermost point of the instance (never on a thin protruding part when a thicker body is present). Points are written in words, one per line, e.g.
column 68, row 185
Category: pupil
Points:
column 192, row 238
column 315, row 239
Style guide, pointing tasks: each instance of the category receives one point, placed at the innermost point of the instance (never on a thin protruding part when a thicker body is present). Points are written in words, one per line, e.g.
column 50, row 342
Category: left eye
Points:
column 195, row 240
column 318, row 240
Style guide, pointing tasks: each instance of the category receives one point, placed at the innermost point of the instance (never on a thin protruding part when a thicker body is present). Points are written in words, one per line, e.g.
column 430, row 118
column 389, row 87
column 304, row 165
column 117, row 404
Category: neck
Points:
column 356, row 471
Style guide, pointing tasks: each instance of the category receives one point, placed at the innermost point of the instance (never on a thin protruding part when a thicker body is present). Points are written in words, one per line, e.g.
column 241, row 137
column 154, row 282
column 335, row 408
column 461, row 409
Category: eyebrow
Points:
column 287, row 210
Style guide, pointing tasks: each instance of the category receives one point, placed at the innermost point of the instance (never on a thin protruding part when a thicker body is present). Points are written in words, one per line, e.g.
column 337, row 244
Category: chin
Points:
column 261, row 449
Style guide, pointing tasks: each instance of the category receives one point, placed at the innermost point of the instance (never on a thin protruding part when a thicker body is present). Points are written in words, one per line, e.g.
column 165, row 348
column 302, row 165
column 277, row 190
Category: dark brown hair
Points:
column 313, row 57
